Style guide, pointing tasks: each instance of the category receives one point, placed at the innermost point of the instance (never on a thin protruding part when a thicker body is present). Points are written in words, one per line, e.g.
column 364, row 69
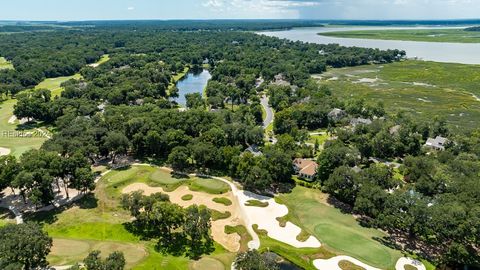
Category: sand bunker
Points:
column 229, row 241
column 332, row 263
column 4, row 151
column 266, row 219
column 402, row 262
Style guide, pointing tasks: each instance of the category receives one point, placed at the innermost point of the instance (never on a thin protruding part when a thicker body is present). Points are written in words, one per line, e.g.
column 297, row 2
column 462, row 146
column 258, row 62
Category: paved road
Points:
column 269, row 118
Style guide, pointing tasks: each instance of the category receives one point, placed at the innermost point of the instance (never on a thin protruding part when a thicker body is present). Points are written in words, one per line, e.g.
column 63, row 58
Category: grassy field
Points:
column 423, row 89
column 4, row 64
column 336, row 231
column 11, row 134
column 428, row 35
column 53, row 84
column 97, row 222
column 157, row 177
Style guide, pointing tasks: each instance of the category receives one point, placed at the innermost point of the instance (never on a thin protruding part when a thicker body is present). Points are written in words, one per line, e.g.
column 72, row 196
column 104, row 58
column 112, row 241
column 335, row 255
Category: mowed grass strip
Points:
column 54, row 84
column 337, row 231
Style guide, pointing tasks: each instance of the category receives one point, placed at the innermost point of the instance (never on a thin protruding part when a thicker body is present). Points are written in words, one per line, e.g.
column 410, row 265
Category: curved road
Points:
column 269, row 111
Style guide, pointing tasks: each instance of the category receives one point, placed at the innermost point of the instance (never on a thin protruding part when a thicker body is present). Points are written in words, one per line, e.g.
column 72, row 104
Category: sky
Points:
column 70, row 10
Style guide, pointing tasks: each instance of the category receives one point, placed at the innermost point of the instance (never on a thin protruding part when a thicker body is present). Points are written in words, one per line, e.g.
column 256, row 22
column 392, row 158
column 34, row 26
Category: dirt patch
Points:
column 230, row 241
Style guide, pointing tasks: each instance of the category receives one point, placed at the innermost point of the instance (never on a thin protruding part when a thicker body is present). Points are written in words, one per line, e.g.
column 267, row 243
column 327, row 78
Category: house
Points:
column 337, row 114
column 254, row 150
column 305, row 168
column 360, row 121
column 436, row 144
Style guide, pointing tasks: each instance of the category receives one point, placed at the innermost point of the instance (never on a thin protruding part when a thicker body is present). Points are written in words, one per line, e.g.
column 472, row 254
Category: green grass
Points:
column 6, row 217
column 4, row 64
column 346, row 265
column 97, row 222
column 338, row 232
column 421, row 89
column 9, row 133
column 302, row 257
column 187, row 197
column 428, row 35
column 54, row 84
column 177, row 77
column 223, row 200
column 256, row 203
column 217, row 215
column 410, row 267
column 303, row 236
column 68, row 252
column 210, row 186
column 245, row 237
column 105, row 58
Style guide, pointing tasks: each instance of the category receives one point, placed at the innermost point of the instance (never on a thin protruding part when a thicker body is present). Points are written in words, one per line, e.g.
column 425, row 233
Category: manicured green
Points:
column 422, row 89
column 14, row 137
column 68, row 252
column 335, row 230
column 4, row 64
column 410, row 267
column 217, row 215
column 187, row 197
column 428, row 35
column 256, row 203
column 223, row 200
column 210, row 186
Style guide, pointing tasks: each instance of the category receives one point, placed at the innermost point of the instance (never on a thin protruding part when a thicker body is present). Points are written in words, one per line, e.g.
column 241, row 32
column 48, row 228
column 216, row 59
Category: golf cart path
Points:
column 268, row 110
column 266, row 220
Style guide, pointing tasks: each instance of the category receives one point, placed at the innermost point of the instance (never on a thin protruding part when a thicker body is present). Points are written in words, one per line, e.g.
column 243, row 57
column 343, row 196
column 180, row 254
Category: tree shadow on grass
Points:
column 49, row 217
column 343, row 207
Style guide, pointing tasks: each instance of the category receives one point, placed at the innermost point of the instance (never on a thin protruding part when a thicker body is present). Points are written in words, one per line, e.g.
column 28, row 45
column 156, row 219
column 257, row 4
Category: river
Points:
column 193, row 82
column 464, row 53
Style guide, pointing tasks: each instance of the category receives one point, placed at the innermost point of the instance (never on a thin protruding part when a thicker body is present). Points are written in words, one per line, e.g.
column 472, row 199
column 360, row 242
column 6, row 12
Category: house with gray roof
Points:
column 436, row 144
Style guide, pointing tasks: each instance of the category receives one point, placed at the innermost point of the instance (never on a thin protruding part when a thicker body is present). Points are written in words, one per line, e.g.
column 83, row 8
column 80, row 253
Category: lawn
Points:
column 302, row 257
column 6, row 217
column 336, row 231
column 4, row 64
column 116, row 180
column 54, row 84
column 97, row 222
column 422, row 89
column 12, row 136
column 428, row 35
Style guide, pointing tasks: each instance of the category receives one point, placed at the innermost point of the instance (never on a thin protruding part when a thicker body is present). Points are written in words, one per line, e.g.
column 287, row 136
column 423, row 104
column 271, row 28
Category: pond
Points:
column 465, row 53
column 193, row 82
column 281, row 262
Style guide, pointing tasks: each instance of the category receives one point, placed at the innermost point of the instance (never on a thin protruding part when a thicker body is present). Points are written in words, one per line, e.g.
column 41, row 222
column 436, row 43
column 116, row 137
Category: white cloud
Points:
column 258, row 8
column 130, row 8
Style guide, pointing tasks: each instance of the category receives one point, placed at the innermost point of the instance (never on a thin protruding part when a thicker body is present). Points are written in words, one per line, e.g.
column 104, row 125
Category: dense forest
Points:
column 124, row 107
column 473, row 29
